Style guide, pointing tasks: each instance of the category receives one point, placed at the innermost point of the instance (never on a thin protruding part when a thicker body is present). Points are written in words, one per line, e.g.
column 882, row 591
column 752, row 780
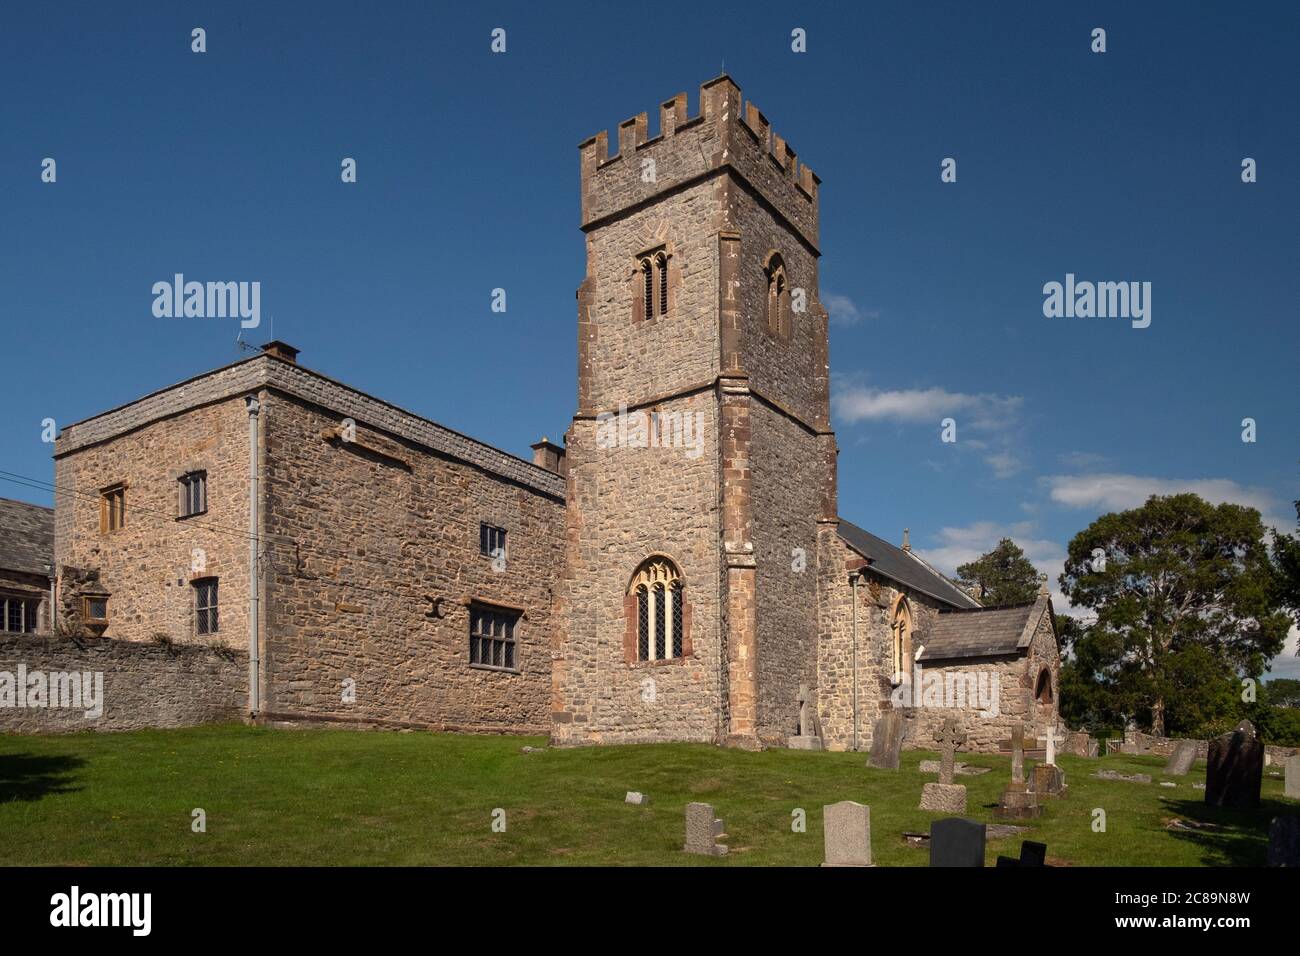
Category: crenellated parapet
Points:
column 726, row 134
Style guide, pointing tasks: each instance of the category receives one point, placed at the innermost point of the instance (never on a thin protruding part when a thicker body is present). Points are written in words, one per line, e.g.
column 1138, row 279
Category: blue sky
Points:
column 1122, row 166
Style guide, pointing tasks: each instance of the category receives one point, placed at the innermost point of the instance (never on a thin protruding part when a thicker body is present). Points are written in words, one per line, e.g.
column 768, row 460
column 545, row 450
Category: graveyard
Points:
column 346, row 797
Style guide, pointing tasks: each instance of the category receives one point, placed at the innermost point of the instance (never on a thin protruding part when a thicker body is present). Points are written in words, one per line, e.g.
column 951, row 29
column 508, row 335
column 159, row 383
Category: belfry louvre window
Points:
column 652, row 270
column 193, row 493
column 492, row 637
column 112, row 508
column 778, row 297
column 658, row 589
column 205, row 606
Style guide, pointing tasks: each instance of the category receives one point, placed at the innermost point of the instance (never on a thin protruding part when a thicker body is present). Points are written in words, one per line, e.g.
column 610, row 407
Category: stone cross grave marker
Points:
column 807, row 738
column 950, row 737
column 1051, row 739
column 946, row 796
column 703, row 830
column 847, row 831
column 956, row 842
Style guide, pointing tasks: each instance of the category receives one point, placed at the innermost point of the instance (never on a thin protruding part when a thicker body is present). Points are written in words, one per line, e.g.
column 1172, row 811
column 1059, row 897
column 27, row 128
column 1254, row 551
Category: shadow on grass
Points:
column 1239, row 837
column 31, row 776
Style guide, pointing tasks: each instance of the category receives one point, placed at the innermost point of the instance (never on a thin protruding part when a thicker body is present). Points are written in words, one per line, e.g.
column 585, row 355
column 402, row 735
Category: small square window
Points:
column 95, row 609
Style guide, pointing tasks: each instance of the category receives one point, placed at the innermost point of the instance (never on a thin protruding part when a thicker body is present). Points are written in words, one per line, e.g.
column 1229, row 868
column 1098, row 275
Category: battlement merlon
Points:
column 723, row 135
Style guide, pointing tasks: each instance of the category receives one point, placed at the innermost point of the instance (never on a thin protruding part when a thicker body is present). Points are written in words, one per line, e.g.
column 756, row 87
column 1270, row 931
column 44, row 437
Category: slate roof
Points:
column 983, row 632
column 26, row 537
column 904, row 567
column 267, row 371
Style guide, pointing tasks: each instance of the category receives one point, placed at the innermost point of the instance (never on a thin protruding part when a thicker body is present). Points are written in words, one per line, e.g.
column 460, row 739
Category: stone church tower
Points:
column 701, row 465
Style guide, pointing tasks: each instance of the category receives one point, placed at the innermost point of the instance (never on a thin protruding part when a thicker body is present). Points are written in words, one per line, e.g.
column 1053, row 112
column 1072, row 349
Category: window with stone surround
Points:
column 491, row 541
column 19, row 615
column 901, row 642
column 652, row 300
column 492, row 637
column 657, row 622
column 206, row 619
column 778, row 296
column 94, row 608
column 112, row 508
column 193, row 489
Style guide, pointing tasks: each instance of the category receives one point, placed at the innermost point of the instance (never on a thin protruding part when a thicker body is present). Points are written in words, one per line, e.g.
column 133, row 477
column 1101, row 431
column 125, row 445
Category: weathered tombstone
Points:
column 846, row 829
column 1293, row 777
column 1018, row 801
column 1181, row 760
column 634, row 797
column 956, row 842
column 1236, row 768
column 1031, row 854
column 807, row 738
column 703, row 830
column 1048, row 780
column 946, row 796
column 886, row 741
column 1284, row 841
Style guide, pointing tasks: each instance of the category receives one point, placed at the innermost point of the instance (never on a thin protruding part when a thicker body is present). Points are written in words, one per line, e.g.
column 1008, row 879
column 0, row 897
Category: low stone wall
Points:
column 128, row 685
column 1137, row 742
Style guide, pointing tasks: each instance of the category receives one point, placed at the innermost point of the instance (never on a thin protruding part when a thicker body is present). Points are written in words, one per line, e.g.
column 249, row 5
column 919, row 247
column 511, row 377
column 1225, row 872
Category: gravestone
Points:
column 1181, row 760
column 1293, row 777
column 1236, row 768
column 703, row 830
column 886, row 741
column 1018, row 801
column 956, row 842
column 1284, row 841
column 946, row 796
column 846, row 828
column 1031, row 854
column 1048, row 780
column 634, row 797
column 807, row 738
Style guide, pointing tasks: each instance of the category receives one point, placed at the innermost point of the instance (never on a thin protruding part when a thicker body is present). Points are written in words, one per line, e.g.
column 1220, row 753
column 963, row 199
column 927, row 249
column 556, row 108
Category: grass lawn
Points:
column 343, row 797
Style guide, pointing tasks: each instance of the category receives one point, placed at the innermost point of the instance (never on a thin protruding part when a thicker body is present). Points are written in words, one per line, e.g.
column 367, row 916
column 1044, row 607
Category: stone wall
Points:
column 362, row 533
column 1016, row 677
column 144, row 684
column 147, row 567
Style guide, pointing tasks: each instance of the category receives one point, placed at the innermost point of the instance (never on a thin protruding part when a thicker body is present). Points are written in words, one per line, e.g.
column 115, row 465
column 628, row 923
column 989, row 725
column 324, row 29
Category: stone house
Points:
column 26, row 566
column 677, row 570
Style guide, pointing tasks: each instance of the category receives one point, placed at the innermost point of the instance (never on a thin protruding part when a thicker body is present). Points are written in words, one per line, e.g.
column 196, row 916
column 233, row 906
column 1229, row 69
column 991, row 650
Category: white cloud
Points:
column 984, row 412
column 1119, row 492
column 844, row 311
column 957, row 545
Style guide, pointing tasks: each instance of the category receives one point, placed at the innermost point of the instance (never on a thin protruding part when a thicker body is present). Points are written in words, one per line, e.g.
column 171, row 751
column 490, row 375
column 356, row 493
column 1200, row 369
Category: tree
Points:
column 1003, row 576
column 1286, row 557
column 1187, row 604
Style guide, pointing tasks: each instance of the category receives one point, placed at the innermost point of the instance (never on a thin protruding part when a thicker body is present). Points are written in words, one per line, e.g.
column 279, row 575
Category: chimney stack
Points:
column 548, row 455
column 281, row 350
column 906, row 545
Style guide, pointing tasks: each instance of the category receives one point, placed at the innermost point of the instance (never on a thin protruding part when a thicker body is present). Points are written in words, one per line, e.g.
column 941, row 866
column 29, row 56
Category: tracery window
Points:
column 657, row 586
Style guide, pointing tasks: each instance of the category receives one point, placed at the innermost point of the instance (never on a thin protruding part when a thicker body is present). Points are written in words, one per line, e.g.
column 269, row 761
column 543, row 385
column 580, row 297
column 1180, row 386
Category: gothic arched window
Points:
column 661, row 269
column 657, row 587
column 901, row 642
column 648, row 287
column 778, row 296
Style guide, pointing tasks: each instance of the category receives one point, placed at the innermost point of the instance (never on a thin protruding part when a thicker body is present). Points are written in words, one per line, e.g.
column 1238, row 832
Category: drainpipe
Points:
column 53, row 616
column 854, row 579
column 254, row 664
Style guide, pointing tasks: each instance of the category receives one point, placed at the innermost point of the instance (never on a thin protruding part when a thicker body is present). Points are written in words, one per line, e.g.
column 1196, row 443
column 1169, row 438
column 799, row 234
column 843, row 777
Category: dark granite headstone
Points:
column 1031, row 854
column 1236, row 768
column 956, row 842
column 886, row 741
column 1284, row 841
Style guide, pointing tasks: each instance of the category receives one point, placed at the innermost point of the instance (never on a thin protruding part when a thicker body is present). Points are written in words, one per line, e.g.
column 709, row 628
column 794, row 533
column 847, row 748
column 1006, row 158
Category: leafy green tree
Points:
column 1186, row 602
column 1003, row 576
column 1281, row 692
